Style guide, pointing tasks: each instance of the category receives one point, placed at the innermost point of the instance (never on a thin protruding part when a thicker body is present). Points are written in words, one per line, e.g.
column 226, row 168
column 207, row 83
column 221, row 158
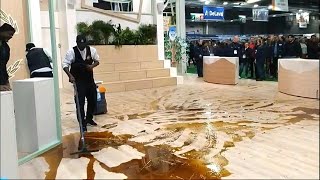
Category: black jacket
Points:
column 280, row 49
column 4, row 58
column 200, row 51
column 292, row 49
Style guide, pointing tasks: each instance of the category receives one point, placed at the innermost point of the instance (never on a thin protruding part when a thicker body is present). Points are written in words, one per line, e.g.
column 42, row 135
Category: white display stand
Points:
column 9, row 155
column 299, row 77
column 34, row 104
column 221, row 70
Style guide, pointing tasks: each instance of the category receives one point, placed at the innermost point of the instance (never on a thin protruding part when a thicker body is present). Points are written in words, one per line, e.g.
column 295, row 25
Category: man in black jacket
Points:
column 249, row 59
column 200, row 51
column 237, row 51
column 313, row 48
column 277, row 48
column 292, row 48
column 6, row 33
column 38, row 60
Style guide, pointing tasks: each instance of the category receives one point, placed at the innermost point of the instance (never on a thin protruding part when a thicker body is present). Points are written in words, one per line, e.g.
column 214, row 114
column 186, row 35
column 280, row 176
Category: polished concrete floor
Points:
column 192, row 131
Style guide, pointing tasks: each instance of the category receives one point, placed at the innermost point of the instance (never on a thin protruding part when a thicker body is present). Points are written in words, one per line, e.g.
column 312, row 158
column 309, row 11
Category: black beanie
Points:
column 6, row 27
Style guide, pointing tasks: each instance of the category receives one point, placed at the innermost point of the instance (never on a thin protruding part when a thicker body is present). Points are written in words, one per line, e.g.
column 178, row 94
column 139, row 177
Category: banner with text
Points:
column 260, row 14
column 280, row 5
column 213, row 13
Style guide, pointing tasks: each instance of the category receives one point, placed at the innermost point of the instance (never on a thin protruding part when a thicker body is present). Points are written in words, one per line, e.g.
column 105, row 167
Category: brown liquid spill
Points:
column 159, row 162
column 139, row 116
column 307, row 116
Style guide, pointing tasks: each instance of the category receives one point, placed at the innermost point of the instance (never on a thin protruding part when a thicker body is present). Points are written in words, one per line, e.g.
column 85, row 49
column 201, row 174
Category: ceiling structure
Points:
column 311, row 6
column 306, row 5
column 236, row 7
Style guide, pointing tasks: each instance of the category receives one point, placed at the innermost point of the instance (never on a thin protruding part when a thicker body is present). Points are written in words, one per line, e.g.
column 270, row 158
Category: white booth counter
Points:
column 35, row 113
column 221, row 70
column 9, row 153
column 299, row 77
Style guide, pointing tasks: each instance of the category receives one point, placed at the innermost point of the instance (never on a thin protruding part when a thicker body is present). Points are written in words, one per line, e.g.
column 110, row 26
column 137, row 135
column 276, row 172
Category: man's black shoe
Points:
column 91, row 123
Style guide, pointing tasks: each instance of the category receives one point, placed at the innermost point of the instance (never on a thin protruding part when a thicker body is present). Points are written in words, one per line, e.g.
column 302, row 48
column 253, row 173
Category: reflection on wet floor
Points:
column 160, row 162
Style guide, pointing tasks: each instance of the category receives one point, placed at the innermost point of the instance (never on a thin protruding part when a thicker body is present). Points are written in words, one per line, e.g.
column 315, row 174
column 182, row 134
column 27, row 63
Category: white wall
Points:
column 89, row 16
column 46, row 39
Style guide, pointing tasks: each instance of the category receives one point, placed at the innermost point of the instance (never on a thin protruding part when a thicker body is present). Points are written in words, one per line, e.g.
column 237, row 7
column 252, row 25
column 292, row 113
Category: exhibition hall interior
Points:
column 159, row 89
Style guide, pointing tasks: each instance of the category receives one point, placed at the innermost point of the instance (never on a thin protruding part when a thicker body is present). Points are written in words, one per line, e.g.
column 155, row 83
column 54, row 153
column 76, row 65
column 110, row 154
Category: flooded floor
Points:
column 193, row 131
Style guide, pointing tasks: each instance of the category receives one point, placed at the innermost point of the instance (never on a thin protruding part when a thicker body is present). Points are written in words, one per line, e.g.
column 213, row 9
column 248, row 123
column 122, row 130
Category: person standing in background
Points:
column 276, row 53
column 237, row 52
column 6, row 33
column 313, row 48
column 304, row 48
column 249, row 59
column 260, row 60
column 292, row 48
column 268, row 48
column 38, row 60
column 200, row 51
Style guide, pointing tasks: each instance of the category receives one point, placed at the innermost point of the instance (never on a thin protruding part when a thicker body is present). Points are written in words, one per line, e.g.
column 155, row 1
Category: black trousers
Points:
column 250, row 67
column 274, row 67
column 200, row 67
column 41, row 74
column 86, row 91
column 260, row 71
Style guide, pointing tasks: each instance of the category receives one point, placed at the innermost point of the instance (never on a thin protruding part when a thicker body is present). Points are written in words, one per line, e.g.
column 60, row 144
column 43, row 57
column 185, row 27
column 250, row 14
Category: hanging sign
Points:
column 172, row 33
column 213, row 13
column 260, row 14
column 166, row 23
column 280, row 5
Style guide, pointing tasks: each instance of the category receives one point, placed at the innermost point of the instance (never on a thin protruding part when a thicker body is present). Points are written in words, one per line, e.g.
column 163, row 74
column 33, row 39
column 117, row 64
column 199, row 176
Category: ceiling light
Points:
column 300, row 10
column 207, row 2
column 256, row 5
column 225, row 3
column 274, row 15
column 252, row 1
column 270, row 7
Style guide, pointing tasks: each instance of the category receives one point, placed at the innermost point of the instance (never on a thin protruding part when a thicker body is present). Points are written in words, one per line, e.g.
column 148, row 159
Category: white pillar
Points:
column 160, row 32
column 35, row 113
column 35, row 22
column 9, row 155
column 207, row 28
column 181, row 28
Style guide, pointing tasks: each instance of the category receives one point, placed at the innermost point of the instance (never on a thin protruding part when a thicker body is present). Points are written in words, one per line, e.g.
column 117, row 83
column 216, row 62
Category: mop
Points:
column 84, row 149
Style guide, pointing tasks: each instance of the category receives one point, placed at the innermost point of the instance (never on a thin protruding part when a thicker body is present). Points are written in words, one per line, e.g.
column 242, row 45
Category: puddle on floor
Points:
column 159, row 161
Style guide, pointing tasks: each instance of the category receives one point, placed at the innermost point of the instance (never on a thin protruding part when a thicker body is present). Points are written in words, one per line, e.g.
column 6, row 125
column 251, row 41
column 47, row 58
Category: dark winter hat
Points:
column 81, row 39
column 6, row 27
column 29, row 46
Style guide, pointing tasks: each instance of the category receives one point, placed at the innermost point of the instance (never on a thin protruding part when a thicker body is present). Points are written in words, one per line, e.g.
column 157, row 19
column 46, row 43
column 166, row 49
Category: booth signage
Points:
column 213, row 13
column 260, row 14
column 280, row 5
column 172, row 33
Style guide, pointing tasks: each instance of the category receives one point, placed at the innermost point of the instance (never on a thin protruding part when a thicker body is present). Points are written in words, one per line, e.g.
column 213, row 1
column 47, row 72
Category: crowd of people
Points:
column 258, row 56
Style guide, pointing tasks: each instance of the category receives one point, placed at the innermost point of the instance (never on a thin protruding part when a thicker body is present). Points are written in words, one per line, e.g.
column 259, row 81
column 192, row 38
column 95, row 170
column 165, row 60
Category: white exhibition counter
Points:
column 9, row 154
column 34, row 103
column 299, row 77
column 221, row 70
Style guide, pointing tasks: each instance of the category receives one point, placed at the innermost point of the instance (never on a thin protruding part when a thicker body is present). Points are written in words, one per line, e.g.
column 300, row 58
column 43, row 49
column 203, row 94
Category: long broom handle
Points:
column 79, row 115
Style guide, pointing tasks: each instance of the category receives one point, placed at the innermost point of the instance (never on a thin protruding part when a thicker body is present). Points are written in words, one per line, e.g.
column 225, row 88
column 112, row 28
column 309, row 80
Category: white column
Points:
column 207, row 28
column 181, row 28
column 160, row 32
column 35, row 113
column 9, row 155
column 35, row 19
